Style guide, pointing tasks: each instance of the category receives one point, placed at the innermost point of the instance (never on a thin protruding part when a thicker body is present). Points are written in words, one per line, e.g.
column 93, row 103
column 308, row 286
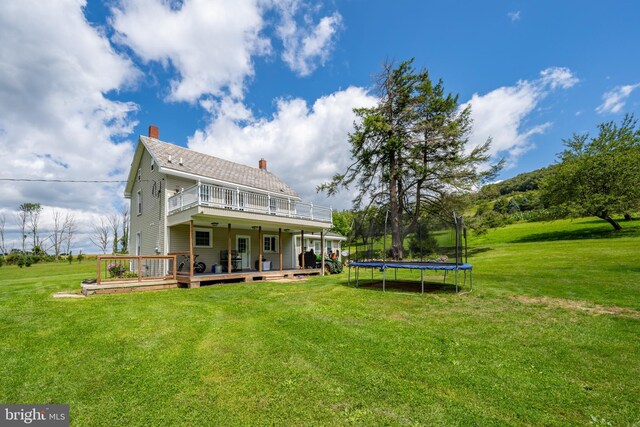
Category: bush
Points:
column 12, row 258
column 422, row 243
column 28, row 260
column 20, row 261
column 1, row 261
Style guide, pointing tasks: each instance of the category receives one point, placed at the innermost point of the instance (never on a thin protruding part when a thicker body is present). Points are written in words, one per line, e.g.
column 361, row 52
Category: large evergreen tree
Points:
column 598, row 176
column 409, row 152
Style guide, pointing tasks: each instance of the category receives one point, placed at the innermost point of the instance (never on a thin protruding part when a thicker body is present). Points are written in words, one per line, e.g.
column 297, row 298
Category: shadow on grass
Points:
column 581, row 234
column 405, row 286
column 480, row 250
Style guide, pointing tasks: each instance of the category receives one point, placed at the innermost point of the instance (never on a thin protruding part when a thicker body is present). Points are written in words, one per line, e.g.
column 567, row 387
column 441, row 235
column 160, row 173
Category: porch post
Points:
column 99, row 273
column 280, row 246
column 228, row 248
column 302, row 248
column 322, row 250
column 190, row 250
column 260, row 249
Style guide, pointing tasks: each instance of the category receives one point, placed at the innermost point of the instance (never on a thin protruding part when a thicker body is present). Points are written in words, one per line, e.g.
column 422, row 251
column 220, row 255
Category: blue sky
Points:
column 79, row 81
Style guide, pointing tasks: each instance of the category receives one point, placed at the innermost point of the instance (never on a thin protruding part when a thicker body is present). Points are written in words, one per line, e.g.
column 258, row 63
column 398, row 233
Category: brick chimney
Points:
column 262, row 164
column 154, row 132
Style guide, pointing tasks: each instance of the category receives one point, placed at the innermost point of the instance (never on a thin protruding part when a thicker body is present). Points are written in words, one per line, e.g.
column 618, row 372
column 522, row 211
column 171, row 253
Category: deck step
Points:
column 133, row 286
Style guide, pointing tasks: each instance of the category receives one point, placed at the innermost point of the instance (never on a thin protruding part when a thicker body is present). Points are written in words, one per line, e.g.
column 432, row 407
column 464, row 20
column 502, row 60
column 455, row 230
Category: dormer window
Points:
column 153, row 164
column 139, row 174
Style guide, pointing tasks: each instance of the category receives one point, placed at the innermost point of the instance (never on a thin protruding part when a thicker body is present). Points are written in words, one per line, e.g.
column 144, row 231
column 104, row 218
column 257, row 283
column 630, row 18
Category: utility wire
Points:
column 61, row 180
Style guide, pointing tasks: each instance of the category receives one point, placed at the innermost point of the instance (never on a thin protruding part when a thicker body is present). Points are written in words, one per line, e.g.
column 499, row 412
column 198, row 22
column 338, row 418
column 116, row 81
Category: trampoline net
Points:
column 434, row 239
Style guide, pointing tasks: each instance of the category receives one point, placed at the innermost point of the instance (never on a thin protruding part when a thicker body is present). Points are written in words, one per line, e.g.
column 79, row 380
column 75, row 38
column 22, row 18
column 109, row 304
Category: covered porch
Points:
column 238, row 246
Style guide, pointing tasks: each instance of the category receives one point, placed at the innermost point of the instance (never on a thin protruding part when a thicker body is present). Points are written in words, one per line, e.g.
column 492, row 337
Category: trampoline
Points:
column 446, row 240
column 383, row 266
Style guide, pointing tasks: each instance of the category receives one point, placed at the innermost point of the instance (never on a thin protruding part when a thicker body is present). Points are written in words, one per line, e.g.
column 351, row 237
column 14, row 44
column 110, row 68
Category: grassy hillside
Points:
column 548, row 337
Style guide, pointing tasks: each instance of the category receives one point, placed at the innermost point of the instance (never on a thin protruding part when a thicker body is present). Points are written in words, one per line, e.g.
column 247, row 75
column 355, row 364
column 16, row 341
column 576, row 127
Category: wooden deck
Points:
column 204, row 279
column 127, row 286
column 121, row 286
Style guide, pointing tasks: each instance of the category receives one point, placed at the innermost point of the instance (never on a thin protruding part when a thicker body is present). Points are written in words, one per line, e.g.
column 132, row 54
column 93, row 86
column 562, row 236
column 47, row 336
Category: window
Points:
column 270, row 243
column 139, row 174
column 202, row 238
column 139, row 200
column 138, row 243
column 153, row 164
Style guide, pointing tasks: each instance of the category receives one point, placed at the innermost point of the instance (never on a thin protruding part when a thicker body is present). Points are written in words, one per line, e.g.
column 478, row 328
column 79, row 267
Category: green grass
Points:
column 530, row 346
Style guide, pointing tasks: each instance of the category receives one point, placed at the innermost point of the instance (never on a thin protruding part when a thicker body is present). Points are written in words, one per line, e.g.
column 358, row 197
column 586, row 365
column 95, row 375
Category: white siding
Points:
column 150, row 224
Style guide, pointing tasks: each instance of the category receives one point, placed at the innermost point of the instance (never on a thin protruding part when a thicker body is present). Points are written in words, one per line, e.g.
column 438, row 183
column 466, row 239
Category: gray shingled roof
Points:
column 208, row 166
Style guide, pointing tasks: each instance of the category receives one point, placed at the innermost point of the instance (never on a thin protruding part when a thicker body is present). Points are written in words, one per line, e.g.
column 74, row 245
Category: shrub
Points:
column 80, row 257
column 20, row 261
column 116, row 270
column 12, row 258
column 28, row 260
column 1, row 261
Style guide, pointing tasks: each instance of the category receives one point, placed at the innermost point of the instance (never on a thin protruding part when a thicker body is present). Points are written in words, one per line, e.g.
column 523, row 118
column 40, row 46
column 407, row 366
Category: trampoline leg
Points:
column 422, row 282
column 349, row 278
column 357, row 276
column 456, row 281
column 384, row 277
column 444, row 281
column 470, row 280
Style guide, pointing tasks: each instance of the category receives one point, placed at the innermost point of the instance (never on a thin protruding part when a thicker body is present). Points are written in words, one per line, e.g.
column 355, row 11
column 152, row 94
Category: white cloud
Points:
column 514, row 16
column 210, row 44
column 303, row 145
column 305, row 46
column 614, row 100
column 55, row 120
column 502, row 113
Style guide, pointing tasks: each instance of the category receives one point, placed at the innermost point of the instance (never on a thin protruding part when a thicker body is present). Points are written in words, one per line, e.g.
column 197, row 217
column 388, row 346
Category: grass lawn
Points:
column 548, row 337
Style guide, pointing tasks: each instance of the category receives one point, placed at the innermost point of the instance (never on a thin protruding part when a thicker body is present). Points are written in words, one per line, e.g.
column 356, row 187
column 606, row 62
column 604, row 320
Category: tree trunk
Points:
column 628, row 217
column 611, row 221
column 396, row 238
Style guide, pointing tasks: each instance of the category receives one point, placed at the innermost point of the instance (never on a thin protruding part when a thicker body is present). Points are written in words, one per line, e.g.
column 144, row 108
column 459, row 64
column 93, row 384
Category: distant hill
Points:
column 521, row 183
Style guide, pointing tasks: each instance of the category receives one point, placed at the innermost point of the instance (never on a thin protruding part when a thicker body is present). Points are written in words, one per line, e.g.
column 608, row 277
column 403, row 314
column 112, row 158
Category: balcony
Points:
column 247, row 201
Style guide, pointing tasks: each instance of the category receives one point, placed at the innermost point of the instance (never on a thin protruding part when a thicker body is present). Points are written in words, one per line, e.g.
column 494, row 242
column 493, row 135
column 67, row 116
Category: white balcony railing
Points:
column 248, row 201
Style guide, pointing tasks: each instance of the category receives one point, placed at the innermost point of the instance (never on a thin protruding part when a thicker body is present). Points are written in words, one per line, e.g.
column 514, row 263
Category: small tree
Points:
column 3, row 247
column 34, row 209
column 124, row 240
column 100, row 236
column 21, row 221
column 114, row 223
column 70, row 228
column 598, row 176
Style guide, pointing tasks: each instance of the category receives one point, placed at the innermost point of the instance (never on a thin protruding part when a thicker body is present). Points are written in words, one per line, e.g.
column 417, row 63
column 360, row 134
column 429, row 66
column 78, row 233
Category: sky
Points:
column 278, row 79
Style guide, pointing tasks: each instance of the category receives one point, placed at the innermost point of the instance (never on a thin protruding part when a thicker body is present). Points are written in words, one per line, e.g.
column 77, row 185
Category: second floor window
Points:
column 139, row 201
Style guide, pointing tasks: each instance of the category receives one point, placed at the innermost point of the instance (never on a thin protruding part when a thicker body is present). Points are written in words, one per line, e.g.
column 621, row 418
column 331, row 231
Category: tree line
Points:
column 109, row 233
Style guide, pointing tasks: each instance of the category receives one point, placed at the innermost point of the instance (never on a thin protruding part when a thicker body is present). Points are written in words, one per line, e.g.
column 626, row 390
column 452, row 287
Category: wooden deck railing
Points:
column 126, row 268
column 183, row 263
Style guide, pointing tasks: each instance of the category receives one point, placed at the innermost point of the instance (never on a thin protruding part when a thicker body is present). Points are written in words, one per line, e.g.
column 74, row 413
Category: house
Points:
column 229, row 215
